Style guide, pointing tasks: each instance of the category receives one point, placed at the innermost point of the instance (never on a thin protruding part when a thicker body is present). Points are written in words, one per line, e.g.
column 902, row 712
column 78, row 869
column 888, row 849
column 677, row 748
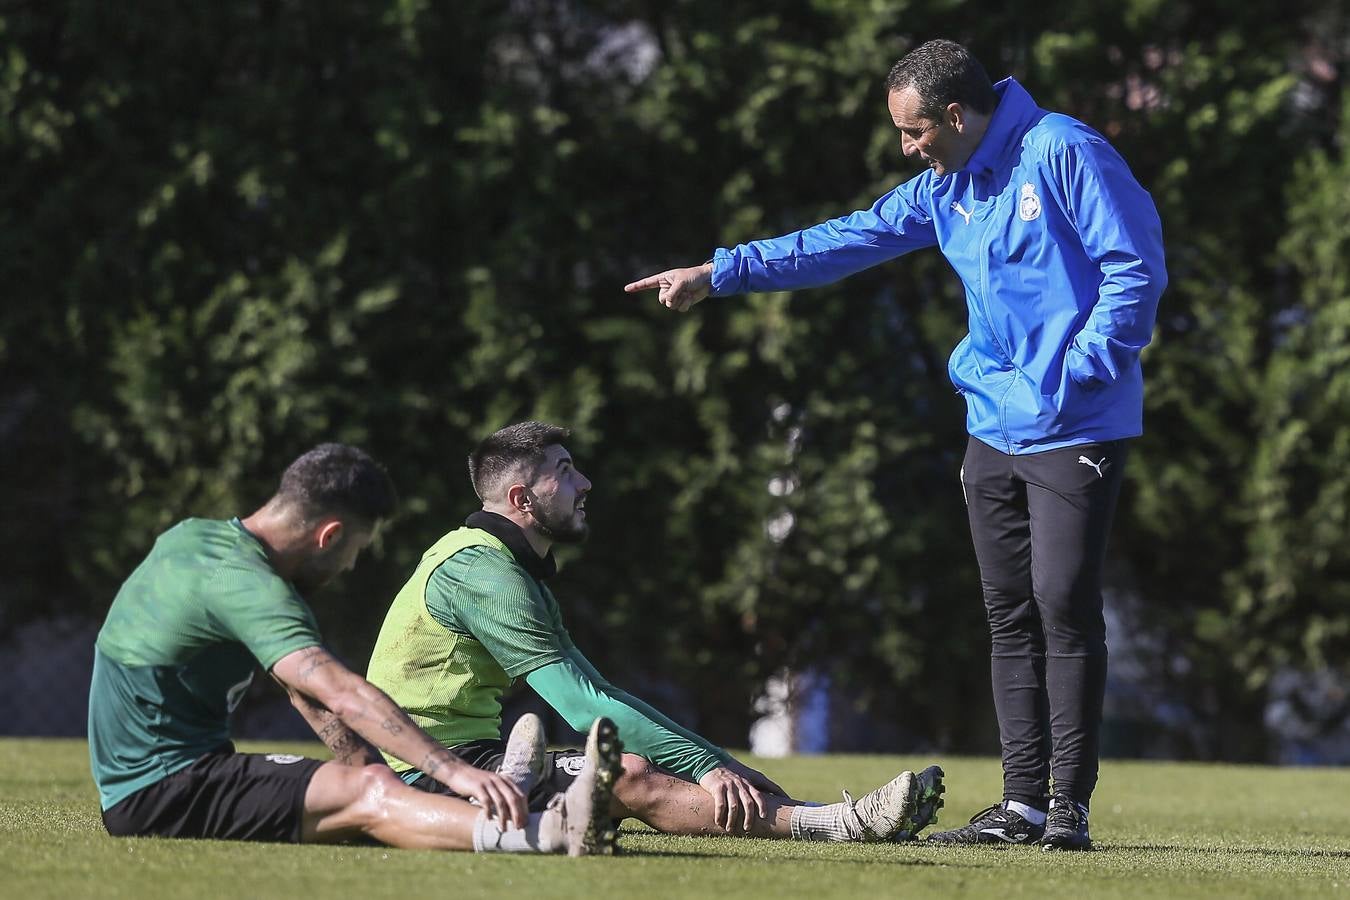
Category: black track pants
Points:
column 1040, row 524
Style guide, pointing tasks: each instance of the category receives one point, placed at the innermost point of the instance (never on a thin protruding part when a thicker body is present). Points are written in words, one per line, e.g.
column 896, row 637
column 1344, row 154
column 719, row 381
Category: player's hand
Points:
column 679, row 289
column 736, row 802
column 501, row 799
column 758, row 779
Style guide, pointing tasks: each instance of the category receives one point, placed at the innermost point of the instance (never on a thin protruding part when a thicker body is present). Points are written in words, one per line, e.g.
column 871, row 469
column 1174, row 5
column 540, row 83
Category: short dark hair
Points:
column 503, row 454
column 338, row 479
column 943, row 72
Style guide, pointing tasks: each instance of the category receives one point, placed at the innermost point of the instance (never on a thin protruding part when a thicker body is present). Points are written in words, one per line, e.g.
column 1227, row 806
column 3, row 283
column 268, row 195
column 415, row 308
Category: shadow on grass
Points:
column 1228, row 851
column 789, row 857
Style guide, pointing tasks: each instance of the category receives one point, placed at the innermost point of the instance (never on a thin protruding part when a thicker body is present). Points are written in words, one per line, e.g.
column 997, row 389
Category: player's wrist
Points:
column 705, row 768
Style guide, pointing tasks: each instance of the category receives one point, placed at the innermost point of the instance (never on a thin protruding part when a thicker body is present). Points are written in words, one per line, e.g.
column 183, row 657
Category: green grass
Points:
column 1165, row 830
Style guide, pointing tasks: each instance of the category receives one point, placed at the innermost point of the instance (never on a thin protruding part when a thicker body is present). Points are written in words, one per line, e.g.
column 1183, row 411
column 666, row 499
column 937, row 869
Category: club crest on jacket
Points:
column 1029, row 205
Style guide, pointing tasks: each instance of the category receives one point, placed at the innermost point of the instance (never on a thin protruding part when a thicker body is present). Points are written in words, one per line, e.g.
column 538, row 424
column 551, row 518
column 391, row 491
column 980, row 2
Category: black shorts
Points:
column 224, row 795
column 560, row 770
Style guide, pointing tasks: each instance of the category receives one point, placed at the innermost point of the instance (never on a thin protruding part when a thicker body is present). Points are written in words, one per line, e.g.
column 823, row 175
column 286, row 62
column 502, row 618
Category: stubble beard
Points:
column 561, row 529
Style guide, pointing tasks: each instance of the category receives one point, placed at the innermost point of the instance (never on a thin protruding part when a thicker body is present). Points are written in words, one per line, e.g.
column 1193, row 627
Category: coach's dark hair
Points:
column 504, row 453
column 338, row 479
column 943, row 72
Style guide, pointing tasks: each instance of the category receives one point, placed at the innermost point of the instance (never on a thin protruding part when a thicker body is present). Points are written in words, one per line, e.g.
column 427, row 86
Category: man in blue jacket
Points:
column 1060, row 252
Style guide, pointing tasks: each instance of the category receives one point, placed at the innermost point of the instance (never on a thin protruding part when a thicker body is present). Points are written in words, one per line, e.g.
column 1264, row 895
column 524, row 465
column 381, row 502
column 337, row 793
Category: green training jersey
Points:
column 178, row 650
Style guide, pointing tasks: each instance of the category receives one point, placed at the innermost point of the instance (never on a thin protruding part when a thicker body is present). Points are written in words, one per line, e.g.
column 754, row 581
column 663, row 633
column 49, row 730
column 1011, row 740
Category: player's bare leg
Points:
column 674, row 806
column 345, row 802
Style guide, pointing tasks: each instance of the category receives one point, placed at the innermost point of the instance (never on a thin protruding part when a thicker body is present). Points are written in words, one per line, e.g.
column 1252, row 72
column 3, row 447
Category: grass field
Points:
column 1165, row 830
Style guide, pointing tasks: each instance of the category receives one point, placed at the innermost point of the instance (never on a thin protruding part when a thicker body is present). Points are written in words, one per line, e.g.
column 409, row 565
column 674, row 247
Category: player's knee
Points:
column 636, row 768
column 639, row 781
column 635, row 787
column 370, row 790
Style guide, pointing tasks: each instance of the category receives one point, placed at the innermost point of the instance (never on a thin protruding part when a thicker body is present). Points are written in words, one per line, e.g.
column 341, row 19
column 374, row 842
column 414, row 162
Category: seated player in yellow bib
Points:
column 476, row 614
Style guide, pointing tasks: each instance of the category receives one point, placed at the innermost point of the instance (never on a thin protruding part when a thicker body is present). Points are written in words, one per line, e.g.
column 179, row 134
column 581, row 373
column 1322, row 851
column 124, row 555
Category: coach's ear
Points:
column 329, row 533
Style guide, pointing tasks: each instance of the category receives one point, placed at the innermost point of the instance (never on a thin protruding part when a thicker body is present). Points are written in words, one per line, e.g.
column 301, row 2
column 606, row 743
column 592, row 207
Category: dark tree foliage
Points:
column 233, row 230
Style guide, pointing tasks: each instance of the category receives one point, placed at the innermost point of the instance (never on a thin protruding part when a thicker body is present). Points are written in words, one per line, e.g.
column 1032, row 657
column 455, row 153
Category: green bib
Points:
column 447, row 682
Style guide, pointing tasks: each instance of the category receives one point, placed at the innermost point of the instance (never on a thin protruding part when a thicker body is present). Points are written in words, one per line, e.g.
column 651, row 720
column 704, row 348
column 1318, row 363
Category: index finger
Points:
column 643, row 284
column 506, row 798
column 759, row 802
column 751, row 804
column 721, row 810
column 517, row 806
column 489, row 803
column 735, row 808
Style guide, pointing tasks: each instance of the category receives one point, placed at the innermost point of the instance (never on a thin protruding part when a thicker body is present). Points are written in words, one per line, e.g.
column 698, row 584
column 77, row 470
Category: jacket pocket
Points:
column 953, row 361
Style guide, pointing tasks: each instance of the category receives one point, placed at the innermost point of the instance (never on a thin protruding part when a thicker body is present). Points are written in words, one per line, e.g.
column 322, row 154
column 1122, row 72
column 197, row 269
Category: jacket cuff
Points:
column 1084, row 368
column 724, row 281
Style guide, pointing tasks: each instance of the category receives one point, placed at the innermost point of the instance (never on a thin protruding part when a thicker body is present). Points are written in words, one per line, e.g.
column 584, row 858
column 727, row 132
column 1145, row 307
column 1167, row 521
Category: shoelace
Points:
column 855, row 827
column 1064, row 814
column 984, row 812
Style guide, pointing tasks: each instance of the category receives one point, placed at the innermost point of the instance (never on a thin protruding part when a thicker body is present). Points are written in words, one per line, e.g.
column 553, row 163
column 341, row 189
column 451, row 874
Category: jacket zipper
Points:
column 984, row 243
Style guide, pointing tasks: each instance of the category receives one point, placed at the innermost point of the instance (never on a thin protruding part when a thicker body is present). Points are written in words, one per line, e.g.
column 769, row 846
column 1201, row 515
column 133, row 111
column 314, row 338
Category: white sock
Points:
column 1083, row 810
column 489, row 837
column 835, row 822
column 1030, row 813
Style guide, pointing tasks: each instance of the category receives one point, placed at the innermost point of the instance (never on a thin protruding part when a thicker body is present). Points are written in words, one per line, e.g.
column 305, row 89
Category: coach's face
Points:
column 943, row 144
column 558, row 498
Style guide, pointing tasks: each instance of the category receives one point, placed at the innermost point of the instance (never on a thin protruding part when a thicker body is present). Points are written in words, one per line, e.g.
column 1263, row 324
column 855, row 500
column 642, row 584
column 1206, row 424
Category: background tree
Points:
column 235, row 230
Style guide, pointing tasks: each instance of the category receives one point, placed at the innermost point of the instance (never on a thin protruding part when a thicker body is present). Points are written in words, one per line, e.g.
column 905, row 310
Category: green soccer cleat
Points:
column 926, row 805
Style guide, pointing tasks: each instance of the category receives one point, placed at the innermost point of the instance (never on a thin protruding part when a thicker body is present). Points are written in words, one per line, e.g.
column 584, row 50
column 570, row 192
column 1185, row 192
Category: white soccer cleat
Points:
column 523, row 761
column 881, row 813
column 588, row 828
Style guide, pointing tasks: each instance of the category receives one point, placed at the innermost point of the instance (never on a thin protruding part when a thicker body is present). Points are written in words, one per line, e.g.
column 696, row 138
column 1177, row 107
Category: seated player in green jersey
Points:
column 476, row 614
column 179, row 648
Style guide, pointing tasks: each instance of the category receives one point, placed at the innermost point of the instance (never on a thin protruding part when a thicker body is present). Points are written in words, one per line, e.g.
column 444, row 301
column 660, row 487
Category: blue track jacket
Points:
column 1060, row 251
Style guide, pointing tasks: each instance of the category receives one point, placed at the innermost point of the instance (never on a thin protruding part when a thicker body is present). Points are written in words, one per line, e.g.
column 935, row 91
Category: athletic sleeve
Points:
column 896, row 224
column 575, row 690
column 642, row 706
column 263, row 612
column 480, row 592
column 1120, row 230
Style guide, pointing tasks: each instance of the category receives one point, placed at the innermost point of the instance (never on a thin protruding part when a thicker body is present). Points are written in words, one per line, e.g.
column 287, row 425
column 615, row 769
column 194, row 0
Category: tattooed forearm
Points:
column 431, row 765
column 315, row 661
column 367, row 716
column 346, row 745
column 350, row 750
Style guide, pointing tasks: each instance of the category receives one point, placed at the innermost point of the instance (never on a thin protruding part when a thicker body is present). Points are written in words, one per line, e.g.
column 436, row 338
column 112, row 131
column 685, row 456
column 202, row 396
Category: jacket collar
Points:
column 509, row 533
column 1012, row 117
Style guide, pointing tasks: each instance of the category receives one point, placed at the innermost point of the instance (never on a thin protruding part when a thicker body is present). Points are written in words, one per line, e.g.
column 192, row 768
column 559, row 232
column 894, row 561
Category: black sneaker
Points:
column 996, row 826
column 1066, row 828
